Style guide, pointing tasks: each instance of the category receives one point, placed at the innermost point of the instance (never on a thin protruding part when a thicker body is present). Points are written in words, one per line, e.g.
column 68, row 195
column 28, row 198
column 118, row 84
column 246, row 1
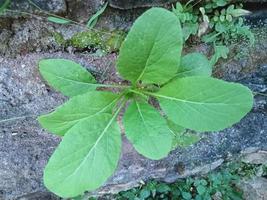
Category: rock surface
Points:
column 51, row 6
column 25, row 147
column 255, row 189
column 130, row 4
column 256, row 158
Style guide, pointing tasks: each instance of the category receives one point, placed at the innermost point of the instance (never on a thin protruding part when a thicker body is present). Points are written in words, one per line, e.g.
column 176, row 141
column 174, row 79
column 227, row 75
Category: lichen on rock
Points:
column 107, row 41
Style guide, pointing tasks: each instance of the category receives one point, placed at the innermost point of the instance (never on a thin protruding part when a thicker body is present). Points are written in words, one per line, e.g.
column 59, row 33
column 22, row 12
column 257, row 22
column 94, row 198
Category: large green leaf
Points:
column 203, row 103
column 147, row 130
column 194, row 64
column 86, row 157
column 78, row 109
column 67, row 76
column 151, row 51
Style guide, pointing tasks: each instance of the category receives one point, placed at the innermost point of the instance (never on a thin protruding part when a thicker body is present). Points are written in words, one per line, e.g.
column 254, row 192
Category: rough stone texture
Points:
column 257, row 158
column 25, row 35
column 254, row 189
column 130, row 4
column 81, row 10
column 52, row 6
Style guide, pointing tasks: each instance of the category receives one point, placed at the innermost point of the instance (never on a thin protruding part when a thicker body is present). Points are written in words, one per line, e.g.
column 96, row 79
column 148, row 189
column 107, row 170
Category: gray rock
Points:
column 254, row 189
column 130, row 4
column 82, row 10
column 51, row 6
column 25, row 35
column 38, row 196
column 257, row 158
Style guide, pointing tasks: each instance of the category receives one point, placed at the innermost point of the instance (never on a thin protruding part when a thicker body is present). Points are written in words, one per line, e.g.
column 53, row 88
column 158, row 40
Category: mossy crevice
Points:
column 106, row 41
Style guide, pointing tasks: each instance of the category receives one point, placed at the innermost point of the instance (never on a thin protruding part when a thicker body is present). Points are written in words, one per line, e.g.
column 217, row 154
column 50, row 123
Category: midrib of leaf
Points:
column 172, row 132
column 187, row 101
column 84, row 118
column 142, row 117
column 71, row 80
column 142, row 73
column 148, row 58
column 97, row 141
column 140, row 113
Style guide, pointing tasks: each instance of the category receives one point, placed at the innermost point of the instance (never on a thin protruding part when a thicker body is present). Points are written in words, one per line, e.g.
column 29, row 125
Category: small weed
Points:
column 220, row 184
column 218, row 22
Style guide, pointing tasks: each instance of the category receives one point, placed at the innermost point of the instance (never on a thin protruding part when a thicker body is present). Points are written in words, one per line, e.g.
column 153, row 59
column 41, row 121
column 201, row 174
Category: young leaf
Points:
column 201, row 189
column 151, row 51
column 93, row 20
column 67, row 76
column 147, row 130
column 181, row 137
column 194, row 64
column 86, row 157
column 239, row 12
column 77, row 110
column 58, row 20
column 221, row 51
column 203, row 103
column 189, row 29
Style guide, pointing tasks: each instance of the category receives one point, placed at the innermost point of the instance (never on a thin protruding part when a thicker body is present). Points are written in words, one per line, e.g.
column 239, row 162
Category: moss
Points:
column 109, row 42
column 85, row 39
column 114, row 41
column 106, row 41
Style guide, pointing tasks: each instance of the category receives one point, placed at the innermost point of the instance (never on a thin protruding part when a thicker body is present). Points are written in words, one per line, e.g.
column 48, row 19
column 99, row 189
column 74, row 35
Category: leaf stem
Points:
column 121, row 105
column 112, row 86
column 137, row 92
column 150, row 94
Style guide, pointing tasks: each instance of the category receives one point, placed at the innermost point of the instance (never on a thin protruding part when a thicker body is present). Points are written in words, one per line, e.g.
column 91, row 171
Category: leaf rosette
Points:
column 150, row 58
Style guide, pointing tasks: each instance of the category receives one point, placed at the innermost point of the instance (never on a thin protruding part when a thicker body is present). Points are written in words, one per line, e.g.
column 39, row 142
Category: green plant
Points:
column 150, row 58
column 247, row 170
column 221, row 184
column 217, row 22
column 188, row 17
column 93, row 19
